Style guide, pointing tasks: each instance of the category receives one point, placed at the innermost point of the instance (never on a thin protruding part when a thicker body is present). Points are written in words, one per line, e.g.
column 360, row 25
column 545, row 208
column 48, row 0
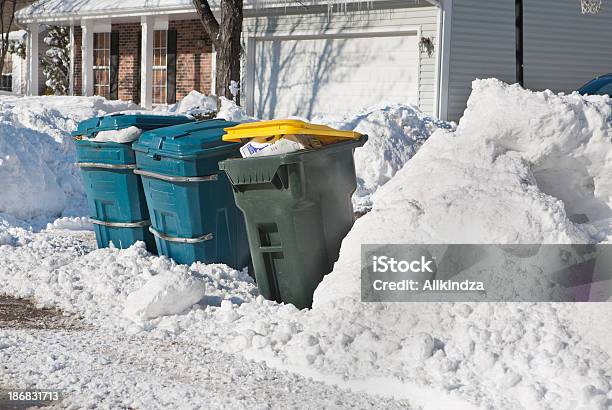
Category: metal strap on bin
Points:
column 171, row 178
column 207, row 237
column 138, row 224
column 106, row 166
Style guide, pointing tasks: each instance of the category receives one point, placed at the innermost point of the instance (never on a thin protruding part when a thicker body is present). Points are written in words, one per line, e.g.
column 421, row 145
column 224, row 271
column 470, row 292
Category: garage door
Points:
column 309, row 76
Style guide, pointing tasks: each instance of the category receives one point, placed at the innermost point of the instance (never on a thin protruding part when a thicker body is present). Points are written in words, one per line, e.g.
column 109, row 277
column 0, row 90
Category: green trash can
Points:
column 297, row 210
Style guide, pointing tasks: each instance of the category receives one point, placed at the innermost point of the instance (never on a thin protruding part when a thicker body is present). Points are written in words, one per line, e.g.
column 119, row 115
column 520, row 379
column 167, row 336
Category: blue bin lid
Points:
column 187, row 140
column 121, row 121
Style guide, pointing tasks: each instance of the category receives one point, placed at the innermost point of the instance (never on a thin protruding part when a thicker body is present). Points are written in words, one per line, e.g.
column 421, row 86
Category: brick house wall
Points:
column 129, row 38
column 193, row 59
column 77, row 85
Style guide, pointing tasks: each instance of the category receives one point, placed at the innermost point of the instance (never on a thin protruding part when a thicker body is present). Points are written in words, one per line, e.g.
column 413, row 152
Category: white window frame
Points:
column 107, row 68
column 163, row 68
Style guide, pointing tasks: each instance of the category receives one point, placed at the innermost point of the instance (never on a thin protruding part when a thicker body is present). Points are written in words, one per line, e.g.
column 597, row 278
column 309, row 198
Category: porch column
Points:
column 32, row 55
column 146, row 63
column 87, row 57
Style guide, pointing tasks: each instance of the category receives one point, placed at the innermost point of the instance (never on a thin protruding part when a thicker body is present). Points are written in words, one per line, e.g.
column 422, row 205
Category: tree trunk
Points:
column 229, row 48
column 225, row 36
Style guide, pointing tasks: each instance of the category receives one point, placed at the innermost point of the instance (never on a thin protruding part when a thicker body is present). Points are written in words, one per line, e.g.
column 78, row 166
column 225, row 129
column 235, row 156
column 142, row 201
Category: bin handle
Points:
column 105, row 166
column 137, row 224
column 207, row 237
column 171, row 178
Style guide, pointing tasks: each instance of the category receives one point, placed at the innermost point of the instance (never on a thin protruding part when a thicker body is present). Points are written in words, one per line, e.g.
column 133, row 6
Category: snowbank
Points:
column 395, row 133
column 520, row 167
column 196, row 104
column 37, row 156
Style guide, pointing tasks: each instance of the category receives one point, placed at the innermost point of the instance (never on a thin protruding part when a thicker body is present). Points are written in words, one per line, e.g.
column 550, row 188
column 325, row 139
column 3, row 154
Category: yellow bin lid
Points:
column 275, row 128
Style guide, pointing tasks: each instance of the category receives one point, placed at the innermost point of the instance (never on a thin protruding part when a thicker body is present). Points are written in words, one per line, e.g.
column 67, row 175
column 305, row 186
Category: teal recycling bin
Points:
column 115, row 196
column 191, row 202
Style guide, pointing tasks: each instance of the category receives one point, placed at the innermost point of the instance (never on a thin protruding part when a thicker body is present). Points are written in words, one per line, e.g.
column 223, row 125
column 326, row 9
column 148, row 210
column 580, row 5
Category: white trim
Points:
column 250, row 76
column 418, row 86
column 160, row 23
column 445, row 49
column 437, row 45
column 146, row 63
column 213, row 72
column 32, row 56
column 92, row 15
column 87, row 57
column 339, row 33
column 103, row 26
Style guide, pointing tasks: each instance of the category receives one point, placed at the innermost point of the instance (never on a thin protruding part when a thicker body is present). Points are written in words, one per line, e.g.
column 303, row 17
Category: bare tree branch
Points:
column 210, row 23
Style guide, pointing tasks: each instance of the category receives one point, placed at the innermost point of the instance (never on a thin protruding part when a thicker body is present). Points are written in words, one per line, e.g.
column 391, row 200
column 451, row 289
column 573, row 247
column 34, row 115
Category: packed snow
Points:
column 521, row 167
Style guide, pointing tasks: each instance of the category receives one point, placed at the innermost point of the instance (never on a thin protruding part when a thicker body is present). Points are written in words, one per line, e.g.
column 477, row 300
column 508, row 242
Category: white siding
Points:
column 412, row 14
column 563, row 49
column 482, row 45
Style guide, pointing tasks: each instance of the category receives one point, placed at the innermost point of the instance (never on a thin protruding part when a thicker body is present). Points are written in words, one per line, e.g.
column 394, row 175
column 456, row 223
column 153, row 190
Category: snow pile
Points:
column 196, row 104
column 168, row 293
column 518, row 168
column 395, row 134
column 231, row 112
column 37, row 157
column 122, row 136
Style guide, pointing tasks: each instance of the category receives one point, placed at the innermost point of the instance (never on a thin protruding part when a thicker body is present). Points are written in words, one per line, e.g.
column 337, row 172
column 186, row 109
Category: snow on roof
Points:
column 58, row 9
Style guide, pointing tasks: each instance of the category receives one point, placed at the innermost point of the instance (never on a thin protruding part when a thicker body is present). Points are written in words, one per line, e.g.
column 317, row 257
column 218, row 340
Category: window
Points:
column 160, row 66
column 6, row 81
column 101, row 67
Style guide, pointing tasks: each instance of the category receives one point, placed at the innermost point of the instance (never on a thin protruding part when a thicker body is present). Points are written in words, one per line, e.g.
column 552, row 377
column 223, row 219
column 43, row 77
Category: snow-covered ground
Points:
column 518, row 169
